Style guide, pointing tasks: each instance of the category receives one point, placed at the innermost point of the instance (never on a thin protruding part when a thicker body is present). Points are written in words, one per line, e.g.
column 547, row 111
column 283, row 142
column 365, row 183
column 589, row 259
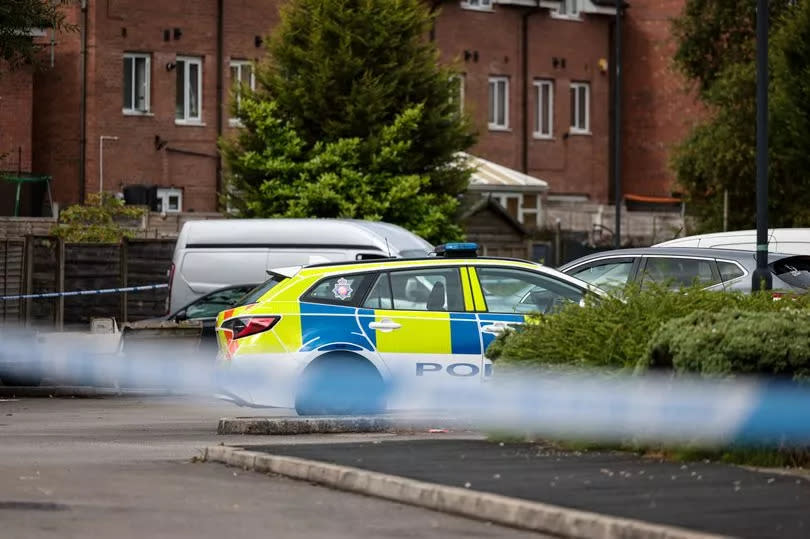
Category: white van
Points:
column 213, row 254
column 794, row 241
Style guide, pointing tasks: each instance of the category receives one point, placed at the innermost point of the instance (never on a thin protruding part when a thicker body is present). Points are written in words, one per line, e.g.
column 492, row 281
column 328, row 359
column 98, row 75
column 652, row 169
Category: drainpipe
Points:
column 220, row 84
column 83, row 103
column 524, row 52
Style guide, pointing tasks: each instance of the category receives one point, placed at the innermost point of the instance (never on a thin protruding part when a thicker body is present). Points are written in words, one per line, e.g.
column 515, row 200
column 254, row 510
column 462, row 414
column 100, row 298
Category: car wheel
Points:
column 340, row 384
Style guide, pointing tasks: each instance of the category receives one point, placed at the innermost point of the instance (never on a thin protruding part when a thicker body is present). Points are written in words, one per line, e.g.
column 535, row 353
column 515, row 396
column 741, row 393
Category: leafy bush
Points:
column 729, row 342
column 613, row 332
column 102, row 220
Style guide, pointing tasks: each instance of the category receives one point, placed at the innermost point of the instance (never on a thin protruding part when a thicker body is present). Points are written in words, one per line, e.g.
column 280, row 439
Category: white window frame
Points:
column 539, row 115
column 574, row 129
column 568, row 9
column 134, row 111
column 187, row 62
column 163, row 194
column 461, row 79
column 477, row 5
column 240, row 65
column 502, row 198
column 493, row 115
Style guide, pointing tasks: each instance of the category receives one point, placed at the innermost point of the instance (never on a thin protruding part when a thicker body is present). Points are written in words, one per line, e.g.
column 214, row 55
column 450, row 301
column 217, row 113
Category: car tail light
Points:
column 245, row 327
column 169, row 296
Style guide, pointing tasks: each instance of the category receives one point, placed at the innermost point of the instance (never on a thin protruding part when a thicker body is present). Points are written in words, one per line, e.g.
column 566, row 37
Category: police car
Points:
column 336, row 338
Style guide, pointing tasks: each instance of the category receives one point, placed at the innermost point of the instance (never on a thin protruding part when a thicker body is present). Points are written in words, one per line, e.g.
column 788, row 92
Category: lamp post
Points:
column 101, row 140
column 762, row 277
column 617, row 127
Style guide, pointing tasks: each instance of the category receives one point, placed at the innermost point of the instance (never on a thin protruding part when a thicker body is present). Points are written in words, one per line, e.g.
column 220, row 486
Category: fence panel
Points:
column 12, row 253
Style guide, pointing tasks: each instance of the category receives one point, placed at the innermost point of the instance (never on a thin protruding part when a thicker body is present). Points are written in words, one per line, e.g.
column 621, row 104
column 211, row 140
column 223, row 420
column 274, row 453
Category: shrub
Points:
column 733, row 342
column 613, row 332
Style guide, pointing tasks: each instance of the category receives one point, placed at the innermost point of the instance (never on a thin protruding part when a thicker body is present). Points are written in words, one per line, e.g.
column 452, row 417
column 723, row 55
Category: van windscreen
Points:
column 794, row 270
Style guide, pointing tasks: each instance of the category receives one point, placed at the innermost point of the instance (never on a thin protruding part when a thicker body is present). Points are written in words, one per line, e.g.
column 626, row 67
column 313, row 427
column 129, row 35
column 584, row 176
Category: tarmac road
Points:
column 121, row 467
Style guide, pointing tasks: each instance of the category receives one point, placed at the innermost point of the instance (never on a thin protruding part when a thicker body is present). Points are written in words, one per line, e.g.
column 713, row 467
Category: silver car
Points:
column 717, row 269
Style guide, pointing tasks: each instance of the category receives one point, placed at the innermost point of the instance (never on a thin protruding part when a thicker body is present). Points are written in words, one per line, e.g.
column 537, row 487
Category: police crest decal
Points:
column 343, row 289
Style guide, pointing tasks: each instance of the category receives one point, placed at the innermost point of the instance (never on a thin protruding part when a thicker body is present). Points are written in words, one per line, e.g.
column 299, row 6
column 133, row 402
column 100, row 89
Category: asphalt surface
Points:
column 122, row 467
column 703, row 496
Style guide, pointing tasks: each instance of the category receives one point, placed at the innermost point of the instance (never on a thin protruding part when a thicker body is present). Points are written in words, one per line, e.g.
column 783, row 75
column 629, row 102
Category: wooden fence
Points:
column 41, row 264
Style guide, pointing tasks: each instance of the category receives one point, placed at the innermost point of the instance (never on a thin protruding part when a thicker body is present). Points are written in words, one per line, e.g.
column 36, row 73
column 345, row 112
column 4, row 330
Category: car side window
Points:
column 729, row 271
column 607, row 274
column 380, row 295
column 679, row 272
column 211, row 305
column 339, row 289
column 427, row 290
column 508, row 290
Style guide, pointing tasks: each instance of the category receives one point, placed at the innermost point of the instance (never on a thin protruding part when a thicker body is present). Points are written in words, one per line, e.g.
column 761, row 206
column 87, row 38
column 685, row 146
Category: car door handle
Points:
column 385, row 325
column 496, row 329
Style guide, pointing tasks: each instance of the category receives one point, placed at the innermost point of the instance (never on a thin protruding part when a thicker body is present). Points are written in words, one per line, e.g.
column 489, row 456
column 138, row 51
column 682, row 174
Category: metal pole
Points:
column 617, row 127
column 725, row 210
column 762, row 277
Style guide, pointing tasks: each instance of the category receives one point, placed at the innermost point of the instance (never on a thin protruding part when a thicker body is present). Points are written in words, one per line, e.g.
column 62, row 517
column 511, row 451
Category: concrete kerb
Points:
column 517, row 513
column 331, row 425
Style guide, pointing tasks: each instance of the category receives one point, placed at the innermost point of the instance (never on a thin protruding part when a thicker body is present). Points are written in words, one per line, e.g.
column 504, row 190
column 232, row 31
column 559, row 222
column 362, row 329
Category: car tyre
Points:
column 340, row 384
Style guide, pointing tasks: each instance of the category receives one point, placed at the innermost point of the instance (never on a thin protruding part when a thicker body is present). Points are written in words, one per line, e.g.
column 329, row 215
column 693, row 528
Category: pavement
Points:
column 122, row 467
column 709, row 497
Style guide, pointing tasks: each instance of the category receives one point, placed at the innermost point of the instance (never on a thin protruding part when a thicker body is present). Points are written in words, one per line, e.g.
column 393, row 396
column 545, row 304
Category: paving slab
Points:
column 708, row 497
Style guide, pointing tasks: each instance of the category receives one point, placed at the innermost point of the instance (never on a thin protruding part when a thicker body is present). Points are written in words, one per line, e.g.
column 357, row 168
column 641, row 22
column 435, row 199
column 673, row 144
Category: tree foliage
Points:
column 720, row 154
column 18, row 18
column 353, row 117
column 102, row 220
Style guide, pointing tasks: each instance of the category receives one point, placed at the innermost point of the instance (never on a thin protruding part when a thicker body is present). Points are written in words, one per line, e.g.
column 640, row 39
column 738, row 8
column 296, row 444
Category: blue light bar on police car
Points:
column 457, row 250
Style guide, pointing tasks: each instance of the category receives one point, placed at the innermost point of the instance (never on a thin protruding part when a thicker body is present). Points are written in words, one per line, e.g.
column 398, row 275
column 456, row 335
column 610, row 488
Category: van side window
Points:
column 339, row 289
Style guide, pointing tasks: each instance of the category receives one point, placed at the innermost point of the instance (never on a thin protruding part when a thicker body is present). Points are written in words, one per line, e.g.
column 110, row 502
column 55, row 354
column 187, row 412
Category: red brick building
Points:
column 140, row 95
column 659, row 110
column 16, row 88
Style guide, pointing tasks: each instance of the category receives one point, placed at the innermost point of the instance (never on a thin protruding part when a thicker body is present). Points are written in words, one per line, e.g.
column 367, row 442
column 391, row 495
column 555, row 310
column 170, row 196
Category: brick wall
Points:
column 659, row 110
column 571, row 164
column 16, row 98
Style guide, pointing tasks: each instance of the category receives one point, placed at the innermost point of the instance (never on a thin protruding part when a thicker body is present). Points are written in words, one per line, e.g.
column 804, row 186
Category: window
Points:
column 679, row 272
column 517, row 291
column 241, row 76
column 169, row 200
column 483, row 5
column 427, row 290
column 457, row 97
column 253, row 296
column 136, row 83
column 380, row 295
column 525, row 207
column 580, row 107
column 569, row 9
column 544, row 117
column 188, row 103
column 795, row 271
column 339, row 290
column 729, row 271
column 606, row 274
column 498, row 103
column 211, row 305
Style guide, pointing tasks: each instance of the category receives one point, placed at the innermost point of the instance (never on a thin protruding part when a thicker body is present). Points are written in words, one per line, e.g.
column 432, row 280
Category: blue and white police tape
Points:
column 142, row 288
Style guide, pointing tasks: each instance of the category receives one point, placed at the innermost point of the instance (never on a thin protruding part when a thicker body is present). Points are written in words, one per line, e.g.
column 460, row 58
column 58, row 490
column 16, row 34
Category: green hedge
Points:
column 716, row 344
column 614, row 332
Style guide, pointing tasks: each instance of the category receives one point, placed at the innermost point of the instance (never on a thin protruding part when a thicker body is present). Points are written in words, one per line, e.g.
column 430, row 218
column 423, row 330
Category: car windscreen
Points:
column 794, row 270
column 254, row 295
